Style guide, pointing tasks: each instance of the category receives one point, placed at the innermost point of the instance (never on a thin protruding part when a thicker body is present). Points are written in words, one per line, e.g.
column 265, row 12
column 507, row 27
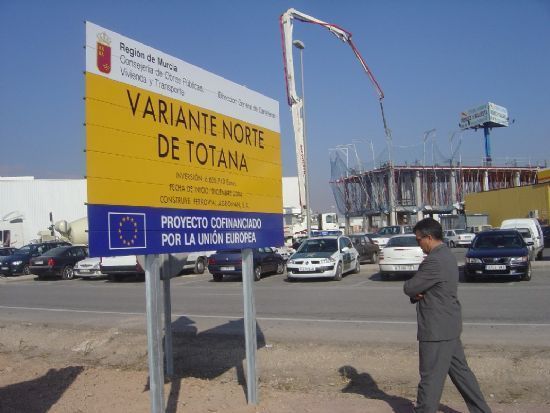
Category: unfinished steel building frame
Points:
column 393, row 194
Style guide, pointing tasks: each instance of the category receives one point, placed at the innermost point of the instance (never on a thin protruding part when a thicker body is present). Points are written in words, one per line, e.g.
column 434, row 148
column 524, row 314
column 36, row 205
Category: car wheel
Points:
column 539, row 255
column 67, row 273
column 357, row 269
column 257, row 273
column 527, row 275
column 468, row 276
column 280, row 268
column 290, row 279
column 374, row 258
column 338, row 275
column 217, row 277
column 451, row 244
column 26, row 270
column 200, row 266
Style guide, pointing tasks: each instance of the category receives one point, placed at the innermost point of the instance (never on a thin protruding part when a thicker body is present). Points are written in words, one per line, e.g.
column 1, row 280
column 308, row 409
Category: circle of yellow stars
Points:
column 133, row 237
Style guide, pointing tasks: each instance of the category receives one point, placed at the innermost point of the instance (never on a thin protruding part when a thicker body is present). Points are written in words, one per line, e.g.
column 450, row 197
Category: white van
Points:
column 535, row 228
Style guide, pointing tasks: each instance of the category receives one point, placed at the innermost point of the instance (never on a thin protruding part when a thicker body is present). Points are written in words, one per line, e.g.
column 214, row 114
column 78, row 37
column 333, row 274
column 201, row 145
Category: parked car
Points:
column 58, row 261
column 88, row 268
column 122, row 266
column 265, row 260
column 367, row 249
column 330, row 257
column 383, row 235
column 5, row 251
column 19, row 261
column 402, row 255
column 535, row 228
column 497, row 253
column 528, row 237
column 458, row 238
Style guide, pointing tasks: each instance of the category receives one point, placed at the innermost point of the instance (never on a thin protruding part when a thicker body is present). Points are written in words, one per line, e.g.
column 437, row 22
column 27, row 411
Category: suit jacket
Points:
column 438, row 313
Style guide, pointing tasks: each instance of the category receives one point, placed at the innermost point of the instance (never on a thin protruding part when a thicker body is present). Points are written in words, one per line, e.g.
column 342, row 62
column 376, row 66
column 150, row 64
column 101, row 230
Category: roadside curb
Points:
column 5, row 280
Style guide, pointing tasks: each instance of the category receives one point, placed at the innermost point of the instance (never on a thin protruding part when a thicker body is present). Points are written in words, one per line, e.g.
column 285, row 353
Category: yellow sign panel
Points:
column 543, row 176
column 146, row 149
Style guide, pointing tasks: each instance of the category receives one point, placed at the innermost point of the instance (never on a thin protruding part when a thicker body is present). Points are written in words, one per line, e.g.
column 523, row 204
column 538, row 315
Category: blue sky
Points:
column 433, row 59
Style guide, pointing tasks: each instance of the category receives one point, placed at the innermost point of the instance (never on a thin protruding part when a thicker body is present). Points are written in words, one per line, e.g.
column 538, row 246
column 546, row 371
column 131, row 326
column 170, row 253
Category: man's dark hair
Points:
column 429, row 226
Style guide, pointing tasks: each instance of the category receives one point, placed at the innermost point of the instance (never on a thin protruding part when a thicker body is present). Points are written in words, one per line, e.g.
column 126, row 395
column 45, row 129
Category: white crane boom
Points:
column 296, row 102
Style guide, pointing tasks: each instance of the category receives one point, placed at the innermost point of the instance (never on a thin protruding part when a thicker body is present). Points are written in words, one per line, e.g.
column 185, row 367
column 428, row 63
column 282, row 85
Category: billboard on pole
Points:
column 489, row 114
column 178, row 158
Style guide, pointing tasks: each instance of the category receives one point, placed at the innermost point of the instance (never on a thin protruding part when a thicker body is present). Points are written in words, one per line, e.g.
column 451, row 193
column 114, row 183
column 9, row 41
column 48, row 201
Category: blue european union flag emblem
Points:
column 126, row 231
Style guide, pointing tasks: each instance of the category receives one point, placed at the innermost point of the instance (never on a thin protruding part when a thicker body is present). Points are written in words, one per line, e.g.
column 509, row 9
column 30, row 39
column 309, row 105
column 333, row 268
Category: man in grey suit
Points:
column 434, row 290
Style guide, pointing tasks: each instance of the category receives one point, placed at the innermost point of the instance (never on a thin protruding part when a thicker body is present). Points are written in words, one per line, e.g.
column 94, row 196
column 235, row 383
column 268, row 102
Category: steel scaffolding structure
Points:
column 410, row 191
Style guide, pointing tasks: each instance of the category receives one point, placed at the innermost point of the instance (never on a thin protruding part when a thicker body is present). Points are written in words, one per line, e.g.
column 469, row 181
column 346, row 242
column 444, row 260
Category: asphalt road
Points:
column 360, row 308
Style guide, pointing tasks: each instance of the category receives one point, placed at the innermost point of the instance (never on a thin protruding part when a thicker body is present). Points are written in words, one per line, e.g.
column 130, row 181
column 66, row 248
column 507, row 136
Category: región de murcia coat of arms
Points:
column 104, row 52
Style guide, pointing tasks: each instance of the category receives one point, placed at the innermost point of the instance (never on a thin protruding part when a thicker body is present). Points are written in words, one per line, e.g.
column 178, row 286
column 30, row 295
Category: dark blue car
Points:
column 498, row 253
column 266, row 260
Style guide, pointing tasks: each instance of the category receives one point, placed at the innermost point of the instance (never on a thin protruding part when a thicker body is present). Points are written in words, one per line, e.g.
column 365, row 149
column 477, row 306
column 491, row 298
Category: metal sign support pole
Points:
column 250, row 326
column 154, row 346
column 168, row 353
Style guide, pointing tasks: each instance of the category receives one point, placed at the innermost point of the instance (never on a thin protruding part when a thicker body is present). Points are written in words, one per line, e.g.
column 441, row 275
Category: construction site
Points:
column 402, row 194
column 397, row 189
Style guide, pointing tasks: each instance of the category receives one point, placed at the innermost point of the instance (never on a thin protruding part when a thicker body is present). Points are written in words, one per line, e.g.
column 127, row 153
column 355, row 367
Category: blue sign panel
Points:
column 125, row 230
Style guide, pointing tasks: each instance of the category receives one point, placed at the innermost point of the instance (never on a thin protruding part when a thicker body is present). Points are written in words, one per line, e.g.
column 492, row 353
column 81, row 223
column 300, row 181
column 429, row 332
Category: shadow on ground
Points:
column 208, row 354
column 30, row 397
column 364, row 385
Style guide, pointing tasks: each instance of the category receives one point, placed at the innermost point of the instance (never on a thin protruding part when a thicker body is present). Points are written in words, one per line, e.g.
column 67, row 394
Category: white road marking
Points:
column 299, row 320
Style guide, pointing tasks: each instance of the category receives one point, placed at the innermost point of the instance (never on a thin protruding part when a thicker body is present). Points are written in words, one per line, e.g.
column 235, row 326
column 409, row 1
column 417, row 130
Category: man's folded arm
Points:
column 425, row 278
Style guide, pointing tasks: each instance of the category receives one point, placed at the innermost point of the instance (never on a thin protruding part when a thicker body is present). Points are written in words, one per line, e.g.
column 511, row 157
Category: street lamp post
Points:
column 298, row 44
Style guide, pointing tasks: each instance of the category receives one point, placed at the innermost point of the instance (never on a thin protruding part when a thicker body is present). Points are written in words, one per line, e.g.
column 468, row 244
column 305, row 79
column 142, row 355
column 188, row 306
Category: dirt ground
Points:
column 63, row 369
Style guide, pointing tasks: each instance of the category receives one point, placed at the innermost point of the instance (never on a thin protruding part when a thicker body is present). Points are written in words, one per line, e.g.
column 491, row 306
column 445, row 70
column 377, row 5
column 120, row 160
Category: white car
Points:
column 402, row 255
column 384, row 234
column 328, row 257
column 88, row 268
column 528, row 237
column 458, row 238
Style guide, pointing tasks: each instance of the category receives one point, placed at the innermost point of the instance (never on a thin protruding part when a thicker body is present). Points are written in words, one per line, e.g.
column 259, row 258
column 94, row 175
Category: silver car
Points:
column 458, row 238
column 88, row 268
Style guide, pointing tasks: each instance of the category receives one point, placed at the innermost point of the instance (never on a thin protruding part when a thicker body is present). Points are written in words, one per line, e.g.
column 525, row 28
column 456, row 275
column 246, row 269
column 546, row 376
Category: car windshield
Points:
column 460, row 231
column 402, row 242
column 319, row 245
column 525, row 233
column 389, row 230
column 228, row 252
column 490, row 241
column 55, row 251
column 24, row 250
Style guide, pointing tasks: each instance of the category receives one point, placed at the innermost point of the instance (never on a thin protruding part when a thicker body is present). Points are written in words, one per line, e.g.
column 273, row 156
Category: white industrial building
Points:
column 26, row 203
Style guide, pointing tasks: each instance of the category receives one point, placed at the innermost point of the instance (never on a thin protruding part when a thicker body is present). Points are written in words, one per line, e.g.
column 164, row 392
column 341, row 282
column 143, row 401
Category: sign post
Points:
column 167, row 300
column 251, row 342
column 154, row 336
column 178, row 160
